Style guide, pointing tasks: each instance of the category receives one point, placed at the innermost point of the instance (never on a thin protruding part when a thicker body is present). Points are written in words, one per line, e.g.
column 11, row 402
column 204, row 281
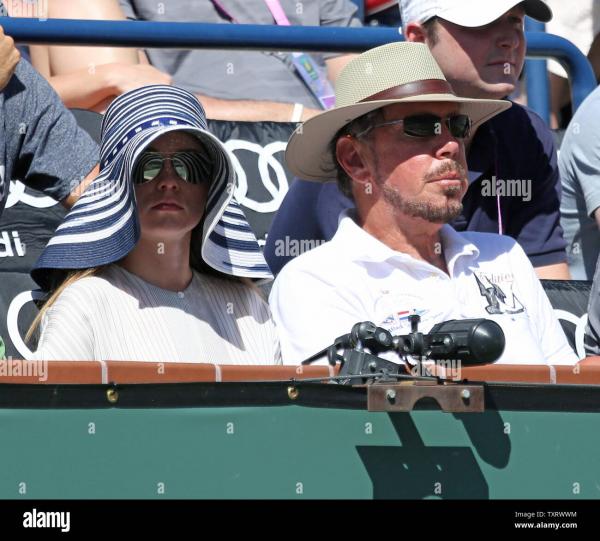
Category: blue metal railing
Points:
column 536, row 74
column 581, row 74
column 278, row 38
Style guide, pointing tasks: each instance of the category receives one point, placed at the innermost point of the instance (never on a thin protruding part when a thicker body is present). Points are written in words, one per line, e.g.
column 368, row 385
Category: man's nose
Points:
column 449, row 146
column 508, row 37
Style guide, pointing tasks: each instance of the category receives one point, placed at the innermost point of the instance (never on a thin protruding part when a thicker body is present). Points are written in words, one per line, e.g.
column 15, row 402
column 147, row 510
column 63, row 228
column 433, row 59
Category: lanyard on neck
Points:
column 277, row 11
column 222, row 10
column 307, row 68
column 274, row 7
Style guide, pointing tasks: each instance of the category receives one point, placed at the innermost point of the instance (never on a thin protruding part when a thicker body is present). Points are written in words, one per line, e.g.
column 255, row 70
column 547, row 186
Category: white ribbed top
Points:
column 119, row 316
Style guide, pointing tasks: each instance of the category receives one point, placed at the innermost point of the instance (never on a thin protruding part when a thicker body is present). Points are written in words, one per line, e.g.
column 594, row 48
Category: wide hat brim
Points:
column 308, row 154
column 103, row 225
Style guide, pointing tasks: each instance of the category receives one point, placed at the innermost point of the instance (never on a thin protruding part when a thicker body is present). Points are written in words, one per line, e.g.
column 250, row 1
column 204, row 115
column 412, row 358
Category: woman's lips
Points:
column 167, row 206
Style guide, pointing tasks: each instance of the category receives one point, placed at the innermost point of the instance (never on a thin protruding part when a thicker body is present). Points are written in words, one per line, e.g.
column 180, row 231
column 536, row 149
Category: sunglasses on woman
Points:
column 191, row 166
column 426, row 125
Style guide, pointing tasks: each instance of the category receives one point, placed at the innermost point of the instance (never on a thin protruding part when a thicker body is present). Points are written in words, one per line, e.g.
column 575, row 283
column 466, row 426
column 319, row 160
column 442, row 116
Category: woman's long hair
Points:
column 71, row 277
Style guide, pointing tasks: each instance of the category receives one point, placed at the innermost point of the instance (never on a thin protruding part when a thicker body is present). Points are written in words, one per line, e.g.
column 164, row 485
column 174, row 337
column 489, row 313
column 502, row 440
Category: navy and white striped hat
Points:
column 103, row 225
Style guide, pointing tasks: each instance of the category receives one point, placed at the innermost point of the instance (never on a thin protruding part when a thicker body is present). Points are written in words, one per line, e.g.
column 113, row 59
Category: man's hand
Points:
column 9, row 58
column 251, row 111
column 124, row 78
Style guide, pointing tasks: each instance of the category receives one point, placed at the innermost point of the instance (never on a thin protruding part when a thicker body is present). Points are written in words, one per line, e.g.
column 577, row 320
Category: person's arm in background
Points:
column 252, row 110
column 336, row 65
column 90, row 77
column 245, row 110
column 579, row 160
column 556, row 271
column 9, row 58
column 49, row 152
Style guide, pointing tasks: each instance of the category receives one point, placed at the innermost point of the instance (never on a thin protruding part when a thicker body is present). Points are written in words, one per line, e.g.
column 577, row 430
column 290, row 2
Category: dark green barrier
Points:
column 547, row 447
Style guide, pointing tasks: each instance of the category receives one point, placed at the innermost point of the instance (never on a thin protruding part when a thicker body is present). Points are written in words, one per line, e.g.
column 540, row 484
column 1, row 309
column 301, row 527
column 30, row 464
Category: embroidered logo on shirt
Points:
column 498, row 301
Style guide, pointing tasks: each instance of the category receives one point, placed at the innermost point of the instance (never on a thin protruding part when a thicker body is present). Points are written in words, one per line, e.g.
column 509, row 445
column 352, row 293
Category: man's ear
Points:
column 415, row 32
column 353, row 157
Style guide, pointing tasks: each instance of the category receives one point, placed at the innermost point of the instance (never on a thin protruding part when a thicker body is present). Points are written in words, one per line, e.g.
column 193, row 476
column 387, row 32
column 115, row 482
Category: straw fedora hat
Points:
column 402, row 72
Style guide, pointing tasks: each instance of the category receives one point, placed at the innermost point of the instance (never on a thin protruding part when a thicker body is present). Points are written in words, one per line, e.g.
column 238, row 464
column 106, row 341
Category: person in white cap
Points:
column 480, row 46
column 397, row 142
column 514, row 185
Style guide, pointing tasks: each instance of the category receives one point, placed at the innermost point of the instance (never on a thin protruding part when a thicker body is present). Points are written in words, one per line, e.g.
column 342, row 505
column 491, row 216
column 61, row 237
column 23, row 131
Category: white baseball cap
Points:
column 471, row 13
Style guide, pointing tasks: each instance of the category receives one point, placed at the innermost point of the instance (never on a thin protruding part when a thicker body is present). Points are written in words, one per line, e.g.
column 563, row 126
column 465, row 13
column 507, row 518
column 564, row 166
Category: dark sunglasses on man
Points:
column 427, row 125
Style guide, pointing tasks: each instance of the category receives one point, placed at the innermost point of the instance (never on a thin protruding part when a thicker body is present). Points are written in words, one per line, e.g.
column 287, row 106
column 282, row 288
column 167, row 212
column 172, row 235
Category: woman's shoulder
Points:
column 86, row 289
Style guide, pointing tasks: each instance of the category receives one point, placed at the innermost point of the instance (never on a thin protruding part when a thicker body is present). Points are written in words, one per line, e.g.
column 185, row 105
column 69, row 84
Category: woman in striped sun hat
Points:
column 154, row 261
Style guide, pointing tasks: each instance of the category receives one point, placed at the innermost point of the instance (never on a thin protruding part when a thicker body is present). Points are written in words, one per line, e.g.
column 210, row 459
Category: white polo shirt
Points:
column 321, row 294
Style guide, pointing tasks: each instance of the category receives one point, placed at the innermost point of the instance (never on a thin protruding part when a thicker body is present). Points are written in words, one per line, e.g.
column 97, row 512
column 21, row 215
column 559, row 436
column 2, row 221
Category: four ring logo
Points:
column 267, row 164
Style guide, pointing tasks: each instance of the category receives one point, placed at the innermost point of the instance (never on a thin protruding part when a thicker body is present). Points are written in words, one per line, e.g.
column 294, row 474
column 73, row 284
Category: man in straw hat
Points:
column 514, row 185
column 397, row 140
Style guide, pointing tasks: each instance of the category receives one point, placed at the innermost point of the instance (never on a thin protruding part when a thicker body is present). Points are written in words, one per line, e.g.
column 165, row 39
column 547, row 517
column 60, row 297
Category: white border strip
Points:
column 104, row 369
column 552, row 374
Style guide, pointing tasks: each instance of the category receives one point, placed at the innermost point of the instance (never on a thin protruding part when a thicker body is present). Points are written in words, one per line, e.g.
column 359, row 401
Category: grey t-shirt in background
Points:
column 243, row 74
column 40, row 141
column 579, row 165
